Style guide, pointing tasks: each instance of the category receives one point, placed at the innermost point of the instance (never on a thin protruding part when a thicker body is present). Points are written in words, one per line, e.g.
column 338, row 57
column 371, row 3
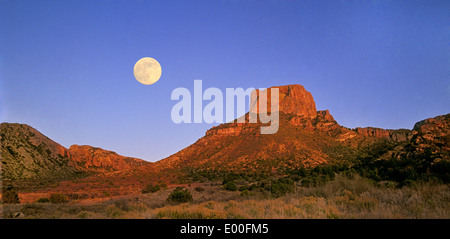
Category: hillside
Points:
column 28, row 154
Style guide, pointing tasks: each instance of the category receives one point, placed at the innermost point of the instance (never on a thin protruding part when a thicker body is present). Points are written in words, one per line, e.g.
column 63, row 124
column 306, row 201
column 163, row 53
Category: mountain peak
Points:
column 293, row 99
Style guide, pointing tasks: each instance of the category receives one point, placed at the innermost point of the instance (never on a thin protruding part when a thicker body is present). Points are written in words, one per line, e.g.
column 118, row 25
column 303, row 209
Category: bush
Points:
column 199, row 189
column 58, row 198
column 10, row 196
column 113, row 212
column 43, row 200
column 151, row 188
column 247, row 193
column 282, row 186
column 230, row 186
column 243, row 188
column 180, row 195
column 123, row 205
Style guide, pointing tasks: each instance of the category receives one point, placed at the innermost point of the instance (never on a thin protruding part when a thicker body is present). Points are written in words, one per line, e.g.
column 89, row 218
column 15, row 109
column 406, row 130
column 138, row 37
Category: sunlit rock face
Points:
column 293, row 99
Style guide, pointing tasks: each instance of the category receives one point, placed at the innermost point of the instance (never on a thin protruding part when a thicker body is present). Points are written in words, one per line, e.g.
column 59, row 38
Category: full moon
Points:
column 147, row 71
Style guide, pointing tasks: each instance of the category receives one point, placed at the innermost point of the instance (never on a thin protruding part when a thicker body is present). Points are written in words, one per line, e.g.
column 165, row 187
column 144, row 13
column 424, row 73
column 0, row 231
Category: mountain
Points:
column 306, row 138
column 28, row 154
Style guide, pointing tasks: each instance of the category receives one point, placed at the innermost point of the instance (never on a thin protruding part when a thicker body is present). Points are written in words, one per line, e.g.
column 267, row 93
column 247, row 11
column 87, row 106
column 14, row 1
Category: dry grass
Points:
column 340, row 198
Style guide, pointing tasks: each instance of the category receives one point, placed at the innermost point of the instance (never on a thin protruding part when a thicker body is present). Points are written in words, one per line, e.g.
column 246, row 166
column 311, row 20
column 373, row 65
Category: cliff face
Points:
column 293, row 99
column 92, row 159
column 400, row 135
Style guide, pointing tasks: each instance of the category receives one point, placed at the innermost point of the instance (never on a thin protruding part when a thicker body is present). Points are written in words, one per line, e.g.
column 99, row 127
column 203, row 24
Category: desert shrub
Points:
column 180, row 195
column 247, row 194
column 282, row 186
column 151, row 188
column 230, row 177
column 31, row 208
column 85, row 215
column 43, row 200
column 10, row 196
column 252, row 187
column 73, row 196
column 199, row 189
column 242, row 188
column 123, row 204
column 113, row 212
column 58, row 198
column 138, row 207
column 230, row 186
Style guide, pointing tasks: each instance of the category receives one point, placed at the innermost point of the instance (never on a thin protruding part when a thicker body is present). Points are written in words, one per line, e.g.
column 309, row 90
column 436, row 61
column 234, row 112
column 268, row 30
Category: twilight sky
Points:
column 66, row 67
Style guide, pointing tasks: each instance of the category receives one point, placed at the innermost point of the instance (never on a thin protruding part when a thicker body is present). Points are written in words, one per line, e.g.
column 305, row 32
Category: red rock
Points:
column 325, row 115
column 92, row 159
column 293, row 99
column 371, row 131
column 398, row 135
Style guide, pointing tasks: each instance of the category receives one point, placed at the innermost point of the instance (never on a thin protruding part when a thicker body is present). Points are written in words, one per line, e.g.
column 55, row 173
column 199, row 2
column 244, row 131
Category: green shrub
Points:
column 243, row 188
column 43, row 200
column 10, row 196
column 230, row 186
column 58, row 198
column 180, row 195
column 151, row 188
column 282, row 186
column 247, row 193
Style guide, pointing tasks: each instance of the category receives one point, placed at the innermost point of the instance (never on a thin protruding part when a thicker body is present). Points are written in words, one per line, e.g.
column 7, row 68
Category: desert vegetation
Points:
column 343, row 196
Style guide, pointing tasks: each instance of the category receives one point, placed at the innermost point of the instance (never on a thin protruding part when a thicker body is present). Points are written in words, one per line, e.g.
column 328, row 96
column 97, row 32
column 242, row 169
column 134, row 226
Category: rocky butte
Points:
column 293, row 99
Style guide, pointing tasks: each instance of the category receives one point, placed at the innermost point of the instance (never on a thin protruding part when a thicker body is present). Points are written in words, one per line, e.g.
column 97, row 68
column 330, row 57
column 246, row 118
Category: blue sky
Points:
column 66, row 67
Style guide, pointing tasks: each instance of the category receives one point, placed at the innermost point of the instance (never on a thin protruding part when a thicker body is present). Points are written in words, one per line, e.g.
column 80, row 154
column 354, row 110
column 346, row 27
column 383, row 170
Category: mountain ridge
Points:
column 26, row 154
column 304, row 140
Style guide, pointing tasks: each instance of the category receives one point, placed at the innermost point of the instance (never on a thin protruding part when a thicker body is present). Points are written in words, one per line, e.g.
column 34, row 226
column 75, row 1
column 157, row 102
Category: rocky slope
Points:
column 97, row 160
column 430, row 139
column 28, row 154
